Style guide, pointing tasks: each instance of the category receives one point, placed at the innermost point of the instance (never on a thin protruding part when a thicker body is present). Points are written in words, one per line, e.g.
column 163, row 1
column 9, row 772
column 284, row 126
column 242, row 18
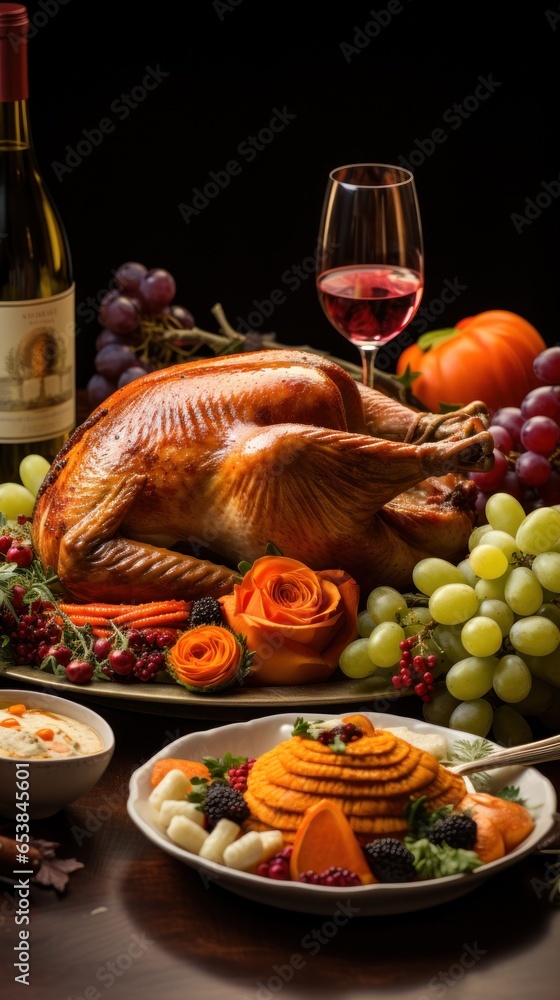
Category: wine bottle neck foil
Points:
column 14, row 25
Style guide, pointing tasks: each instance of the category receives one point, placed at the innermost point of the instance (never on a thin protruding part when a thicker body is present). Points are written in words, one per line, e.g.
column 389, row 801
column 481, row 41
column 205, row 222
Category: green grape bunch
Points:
column 488, row 627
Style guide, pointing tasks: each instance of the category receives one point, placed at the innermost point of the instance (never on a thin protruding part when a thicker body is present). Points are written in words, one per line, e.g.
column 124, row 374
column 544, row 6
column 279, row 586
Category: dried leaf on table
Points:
column 54, row 872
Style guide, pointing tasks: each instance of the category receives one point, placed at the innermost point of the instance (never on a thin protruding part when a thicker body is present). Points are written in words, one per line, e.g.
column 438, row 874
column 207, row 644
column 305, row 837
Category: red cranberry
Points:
column 79, row 671
column 102, row 648
column 5, row 543
column 122, row 661
column 22, row 555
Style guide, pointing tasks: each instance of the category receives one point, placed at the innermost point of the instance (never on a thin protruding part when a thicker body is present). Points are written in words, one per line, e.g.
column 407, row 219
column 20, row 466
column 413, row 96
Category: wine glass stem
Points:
column 368, row 365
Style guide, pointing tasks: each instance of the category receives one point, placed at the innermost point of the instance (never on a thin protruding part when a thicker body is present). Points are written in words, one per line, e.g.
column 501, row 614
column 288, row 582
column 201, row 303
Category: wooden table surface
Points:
column 139, row 924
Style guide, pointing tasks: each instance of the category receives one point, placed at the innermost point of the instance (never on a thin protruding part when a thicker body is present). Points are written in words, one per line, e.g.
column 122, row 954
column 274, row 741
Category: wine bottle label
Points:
column 37, row 368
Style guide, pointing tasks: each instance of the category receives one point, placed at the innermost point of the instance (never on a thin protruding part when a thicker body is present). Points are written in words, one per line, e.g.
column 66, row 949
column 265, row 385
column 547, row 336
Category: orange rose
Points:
column 295, row 620
column 205, row 658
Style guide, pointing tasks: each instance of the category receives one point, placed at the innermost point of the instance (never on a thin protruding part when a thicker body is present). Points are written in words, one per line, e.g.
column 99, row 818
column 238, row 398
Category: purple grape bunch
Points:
column 142, row 299
column 527, row 443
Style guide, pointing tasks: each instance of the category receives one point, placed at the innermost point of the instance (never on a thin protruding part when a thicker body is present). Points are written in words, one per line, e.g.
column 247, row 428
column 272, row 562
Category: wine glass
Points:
column 370, row 261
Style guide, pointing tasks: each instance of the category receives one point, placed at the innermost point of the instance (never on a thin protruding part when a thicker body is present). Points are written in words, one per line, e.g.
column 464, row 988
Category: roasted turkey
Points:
column 183, row 473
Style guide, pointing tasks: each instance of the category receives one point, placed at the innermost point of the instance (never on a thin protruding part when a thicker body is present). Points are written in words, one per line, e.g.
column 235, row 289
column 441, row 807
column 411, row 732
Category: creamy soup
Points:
column 35, row 734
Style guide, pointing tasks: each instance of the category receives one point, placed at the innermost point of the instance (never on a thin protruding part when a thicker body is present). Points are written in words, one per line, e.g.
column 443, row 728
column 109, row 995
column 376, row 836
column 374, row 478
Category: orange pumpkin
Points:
column 488, row 356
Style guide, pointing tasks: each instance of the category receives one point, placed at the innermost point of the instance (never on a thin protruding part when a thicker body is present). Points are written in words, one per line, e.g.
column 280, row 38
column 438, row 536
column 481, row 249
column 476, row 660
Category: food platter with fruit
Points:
column 169, row 795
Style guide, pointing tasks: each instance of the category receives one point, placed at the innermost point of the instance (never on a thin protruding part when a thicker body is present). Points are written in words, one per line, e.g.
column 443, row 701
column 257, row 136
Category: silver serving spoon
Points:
column 529, row 753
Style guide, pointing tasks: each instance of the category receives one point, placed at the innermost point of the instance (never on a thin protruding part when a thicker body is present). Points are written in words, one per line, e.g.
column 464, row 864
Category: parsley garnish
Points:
column 219, row 766
column 303, row 728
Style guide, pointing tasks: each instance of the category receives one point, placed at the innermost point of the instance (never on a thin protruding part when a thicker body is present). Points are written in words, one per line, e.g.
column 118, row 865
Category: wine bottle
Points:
column 37, row 318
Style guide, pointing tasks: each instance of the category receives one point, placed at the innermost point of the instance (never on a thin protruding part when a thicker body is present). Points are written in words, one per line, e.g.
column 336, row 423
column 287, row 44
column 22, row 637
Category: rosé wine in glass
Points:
column 370, row 305
column 370, row 265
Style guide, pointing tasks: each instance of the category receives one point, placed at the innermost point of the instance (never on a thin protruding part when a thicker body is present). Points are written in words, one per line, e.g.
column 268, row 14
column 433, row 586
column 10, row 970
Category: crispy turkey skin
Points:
column 183, row 473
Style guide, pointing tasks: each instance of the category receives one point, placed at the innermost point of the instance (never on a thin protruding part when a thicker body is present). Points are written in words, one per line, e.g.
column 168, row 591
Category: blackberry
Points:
column 224, row 802
column 458, row 830
column 205, row 611
column 390, row 860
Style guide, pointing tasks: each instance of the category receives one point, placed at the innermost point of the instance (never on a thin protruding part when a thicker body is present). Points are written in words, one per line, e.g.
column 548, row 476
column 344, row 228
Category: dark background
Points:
column 229, row 66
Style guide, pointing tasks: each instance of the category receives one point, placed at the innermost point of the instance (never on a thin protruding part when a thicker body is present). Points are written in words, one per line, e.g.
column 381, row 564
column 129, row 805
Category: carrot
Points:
column 97, row 610
column 18, row 709
column 45, row 734
column 87, row 620
column 10, row 723
column 152, row 609
column 100, row 633
column 156, row 620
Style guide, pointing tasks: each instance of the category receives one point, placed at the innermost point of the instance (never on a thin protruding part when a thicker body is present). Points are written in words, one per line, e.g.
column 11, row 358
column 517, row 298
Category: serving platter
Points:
column 261, row 734
column 235, row 703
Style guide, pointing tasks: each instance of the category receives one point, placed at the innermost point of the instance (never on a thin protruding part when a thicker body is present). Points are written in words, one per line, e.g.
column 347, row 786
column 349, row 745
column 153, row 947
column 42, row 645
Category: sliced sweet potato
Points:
column 514, row 821
column 326, row 838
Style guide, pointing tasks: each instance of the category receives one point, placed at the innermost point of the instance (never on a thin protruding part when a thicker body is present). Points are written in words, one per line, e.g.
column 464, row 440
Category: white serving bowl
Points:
column 54, row 784
column 253, row 738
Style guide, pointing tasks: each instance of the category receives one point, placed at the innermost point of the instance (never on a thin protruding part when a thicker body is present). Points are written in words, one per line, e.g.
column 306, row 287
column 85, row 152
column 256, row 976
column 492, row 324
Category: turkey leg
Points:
column 389, row 419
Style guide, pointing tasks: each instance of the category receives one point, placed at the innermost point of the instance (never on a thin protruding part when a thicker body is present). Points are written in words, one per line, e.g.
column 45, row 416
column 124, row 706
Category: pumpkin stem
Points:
column 407, row 377
column 436, row 337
